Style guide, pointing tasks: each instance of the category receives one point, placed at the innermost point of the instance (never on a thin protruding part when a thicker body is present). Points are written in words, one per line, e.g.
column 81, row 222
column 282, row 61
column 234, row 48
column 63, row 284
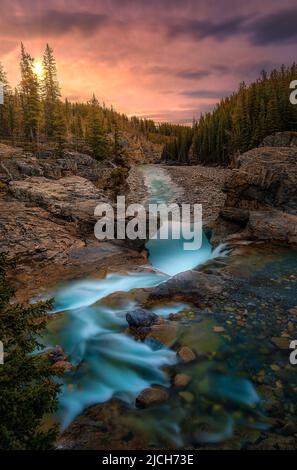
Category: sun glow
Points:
column 38, row 68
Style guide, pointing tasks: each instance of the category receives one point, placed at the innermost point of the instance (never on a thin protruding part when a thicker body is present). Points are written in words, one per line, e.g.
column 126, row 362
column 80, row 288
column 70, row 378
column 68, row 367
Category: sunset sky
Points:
column 163, row 59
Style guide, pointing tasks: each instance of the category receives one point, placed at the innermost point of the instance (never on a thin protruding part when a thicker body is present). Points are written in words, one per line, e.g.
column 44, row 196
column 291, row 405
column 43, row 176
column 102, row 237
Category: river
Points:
column 90, row 326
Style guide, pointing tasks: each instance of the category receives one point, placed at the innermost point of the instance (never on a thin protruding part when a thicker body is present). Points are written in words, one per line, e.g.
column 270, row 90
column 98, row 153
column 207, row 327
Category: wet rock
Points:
column 186, row 354
column 62, row 366
column 218, row 329
column 195, row 286
column 151, row 396
column 281, row 342
column 181, row 380
column 141, row 318
column 188, row 397
column 56, row 355
column 164, row 333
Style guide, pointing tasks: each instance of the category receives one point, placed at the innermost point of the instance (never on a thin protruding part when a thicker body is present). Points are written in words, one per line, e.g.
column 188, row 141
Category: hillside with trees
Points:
column 34, row 114
column 239, row 122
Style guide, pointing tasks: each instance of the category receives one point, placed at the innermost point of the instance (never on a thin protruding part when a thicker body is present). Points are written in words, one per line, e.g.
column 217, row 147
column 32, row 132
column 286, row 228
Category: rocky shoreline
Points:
column 202, row 185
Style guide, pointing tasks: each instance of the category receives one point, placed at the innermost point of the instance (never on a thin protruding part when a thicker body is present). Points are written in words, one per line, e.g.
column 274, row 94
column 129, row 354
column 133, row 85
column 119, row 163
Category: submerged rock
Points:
column 151, row 396
column 164, row 333
column 186, row 354
column 181, row 380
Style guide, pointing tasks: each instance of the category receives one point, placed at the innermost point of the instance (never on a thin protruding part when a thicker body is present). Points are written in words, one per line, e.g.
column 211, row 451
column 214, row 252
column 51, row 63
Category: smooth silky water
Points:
column 108, row 363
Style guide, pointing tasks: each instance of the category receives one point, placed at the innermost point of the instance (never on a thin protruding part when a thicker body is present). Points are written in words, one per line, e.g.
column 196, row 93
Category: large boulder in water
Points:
column 141, row 318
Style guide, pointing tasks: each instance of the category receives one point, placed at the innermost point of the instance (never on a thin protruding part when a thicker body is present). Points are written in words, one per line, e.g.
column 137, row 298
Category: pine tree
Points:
column 119, row 153
column 27, row 389
column 5, row 130
column 59, row 128
column 50, row 92
column 95, row 132
column 30, row 97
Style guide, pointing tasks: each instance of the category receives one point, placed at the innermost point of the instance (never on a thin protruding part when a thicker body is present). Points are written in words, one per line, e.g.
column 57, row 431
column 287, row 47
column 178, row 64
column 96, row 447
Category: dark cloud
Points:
column 272, row 28
column 189, row 74
column 275, row 28
column 192, row 74
column 211, row 94
column 197, row 29
column 53, row 22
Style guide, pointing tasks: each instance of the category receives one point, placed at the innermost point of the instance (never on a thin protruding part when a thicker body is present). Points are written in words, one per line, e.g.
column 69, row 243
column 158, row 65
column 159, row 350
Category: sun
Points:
column 38, row 68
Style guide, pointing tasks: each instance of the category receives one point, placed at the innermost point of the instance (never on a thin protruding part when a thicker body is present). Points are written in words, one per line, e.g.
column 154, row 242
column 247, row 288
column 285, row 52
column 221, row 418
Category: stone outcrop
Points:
column 18, row 165
column 31, row 235
column 261, row 202
column 195, row 286
column 47, row 221
column 280, row 139
column 72, row 198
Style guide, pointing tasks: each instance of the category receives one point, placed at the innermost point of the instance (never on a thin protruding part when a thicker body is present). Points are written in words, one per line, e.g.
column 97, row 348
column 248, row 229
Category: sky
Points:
column 168, row 60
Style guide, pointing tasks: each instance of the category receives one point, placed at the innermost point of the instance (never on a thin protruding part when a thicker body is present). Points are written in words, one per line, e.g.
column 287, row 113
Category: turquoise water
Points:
column 107, row 362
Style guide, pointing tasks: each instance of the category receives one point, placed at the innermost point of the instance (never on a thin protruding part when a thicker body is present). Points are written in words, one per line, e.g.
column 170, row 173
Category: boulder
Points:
column 165, row 333
column 261, row 202
column 181, row 380
column 192, row 285
column 151, row 396
column 141, row 318
column 186, row 354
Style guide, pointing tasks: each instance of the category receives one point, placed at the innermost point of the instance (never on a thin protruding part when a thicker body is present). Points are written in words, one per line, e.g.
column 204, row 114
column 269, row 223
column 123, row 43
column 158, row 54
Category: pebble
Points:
column 186, row 354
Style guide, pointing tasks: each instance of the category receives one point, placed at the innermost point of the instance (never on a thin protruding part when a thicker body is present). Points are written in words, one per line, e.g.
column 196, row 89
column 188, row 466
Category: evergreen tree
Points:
column 119, row 153
column 5, row 128
column 29, row 97
column 27, row 390
column 95, row 131
column 50, row 92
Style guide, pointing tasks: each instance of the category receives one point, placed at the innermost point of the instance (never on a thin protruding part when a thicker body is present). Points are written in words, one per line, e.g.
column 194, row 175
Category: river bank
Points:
column 201, row 185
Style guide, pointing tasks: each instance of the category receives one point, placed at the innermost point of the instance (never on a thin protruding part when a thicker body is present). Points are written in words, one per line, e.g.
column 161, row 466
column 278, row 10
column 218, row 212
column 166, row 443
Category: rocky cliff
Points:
column 261, row 202
column 47, row 214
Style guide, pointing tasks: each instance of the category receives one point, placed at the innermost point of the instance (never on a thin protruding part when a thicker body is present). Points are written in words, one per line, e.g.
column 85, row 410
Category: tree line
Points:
column 239, row 122
column 34, row 112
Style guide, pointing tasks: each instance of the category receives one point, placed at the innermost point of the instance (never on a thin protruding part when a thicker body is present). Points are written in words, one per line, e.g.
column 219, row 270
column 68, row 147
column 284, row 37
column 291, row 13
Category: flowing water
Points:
column 90, row 326
column 108, row 362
